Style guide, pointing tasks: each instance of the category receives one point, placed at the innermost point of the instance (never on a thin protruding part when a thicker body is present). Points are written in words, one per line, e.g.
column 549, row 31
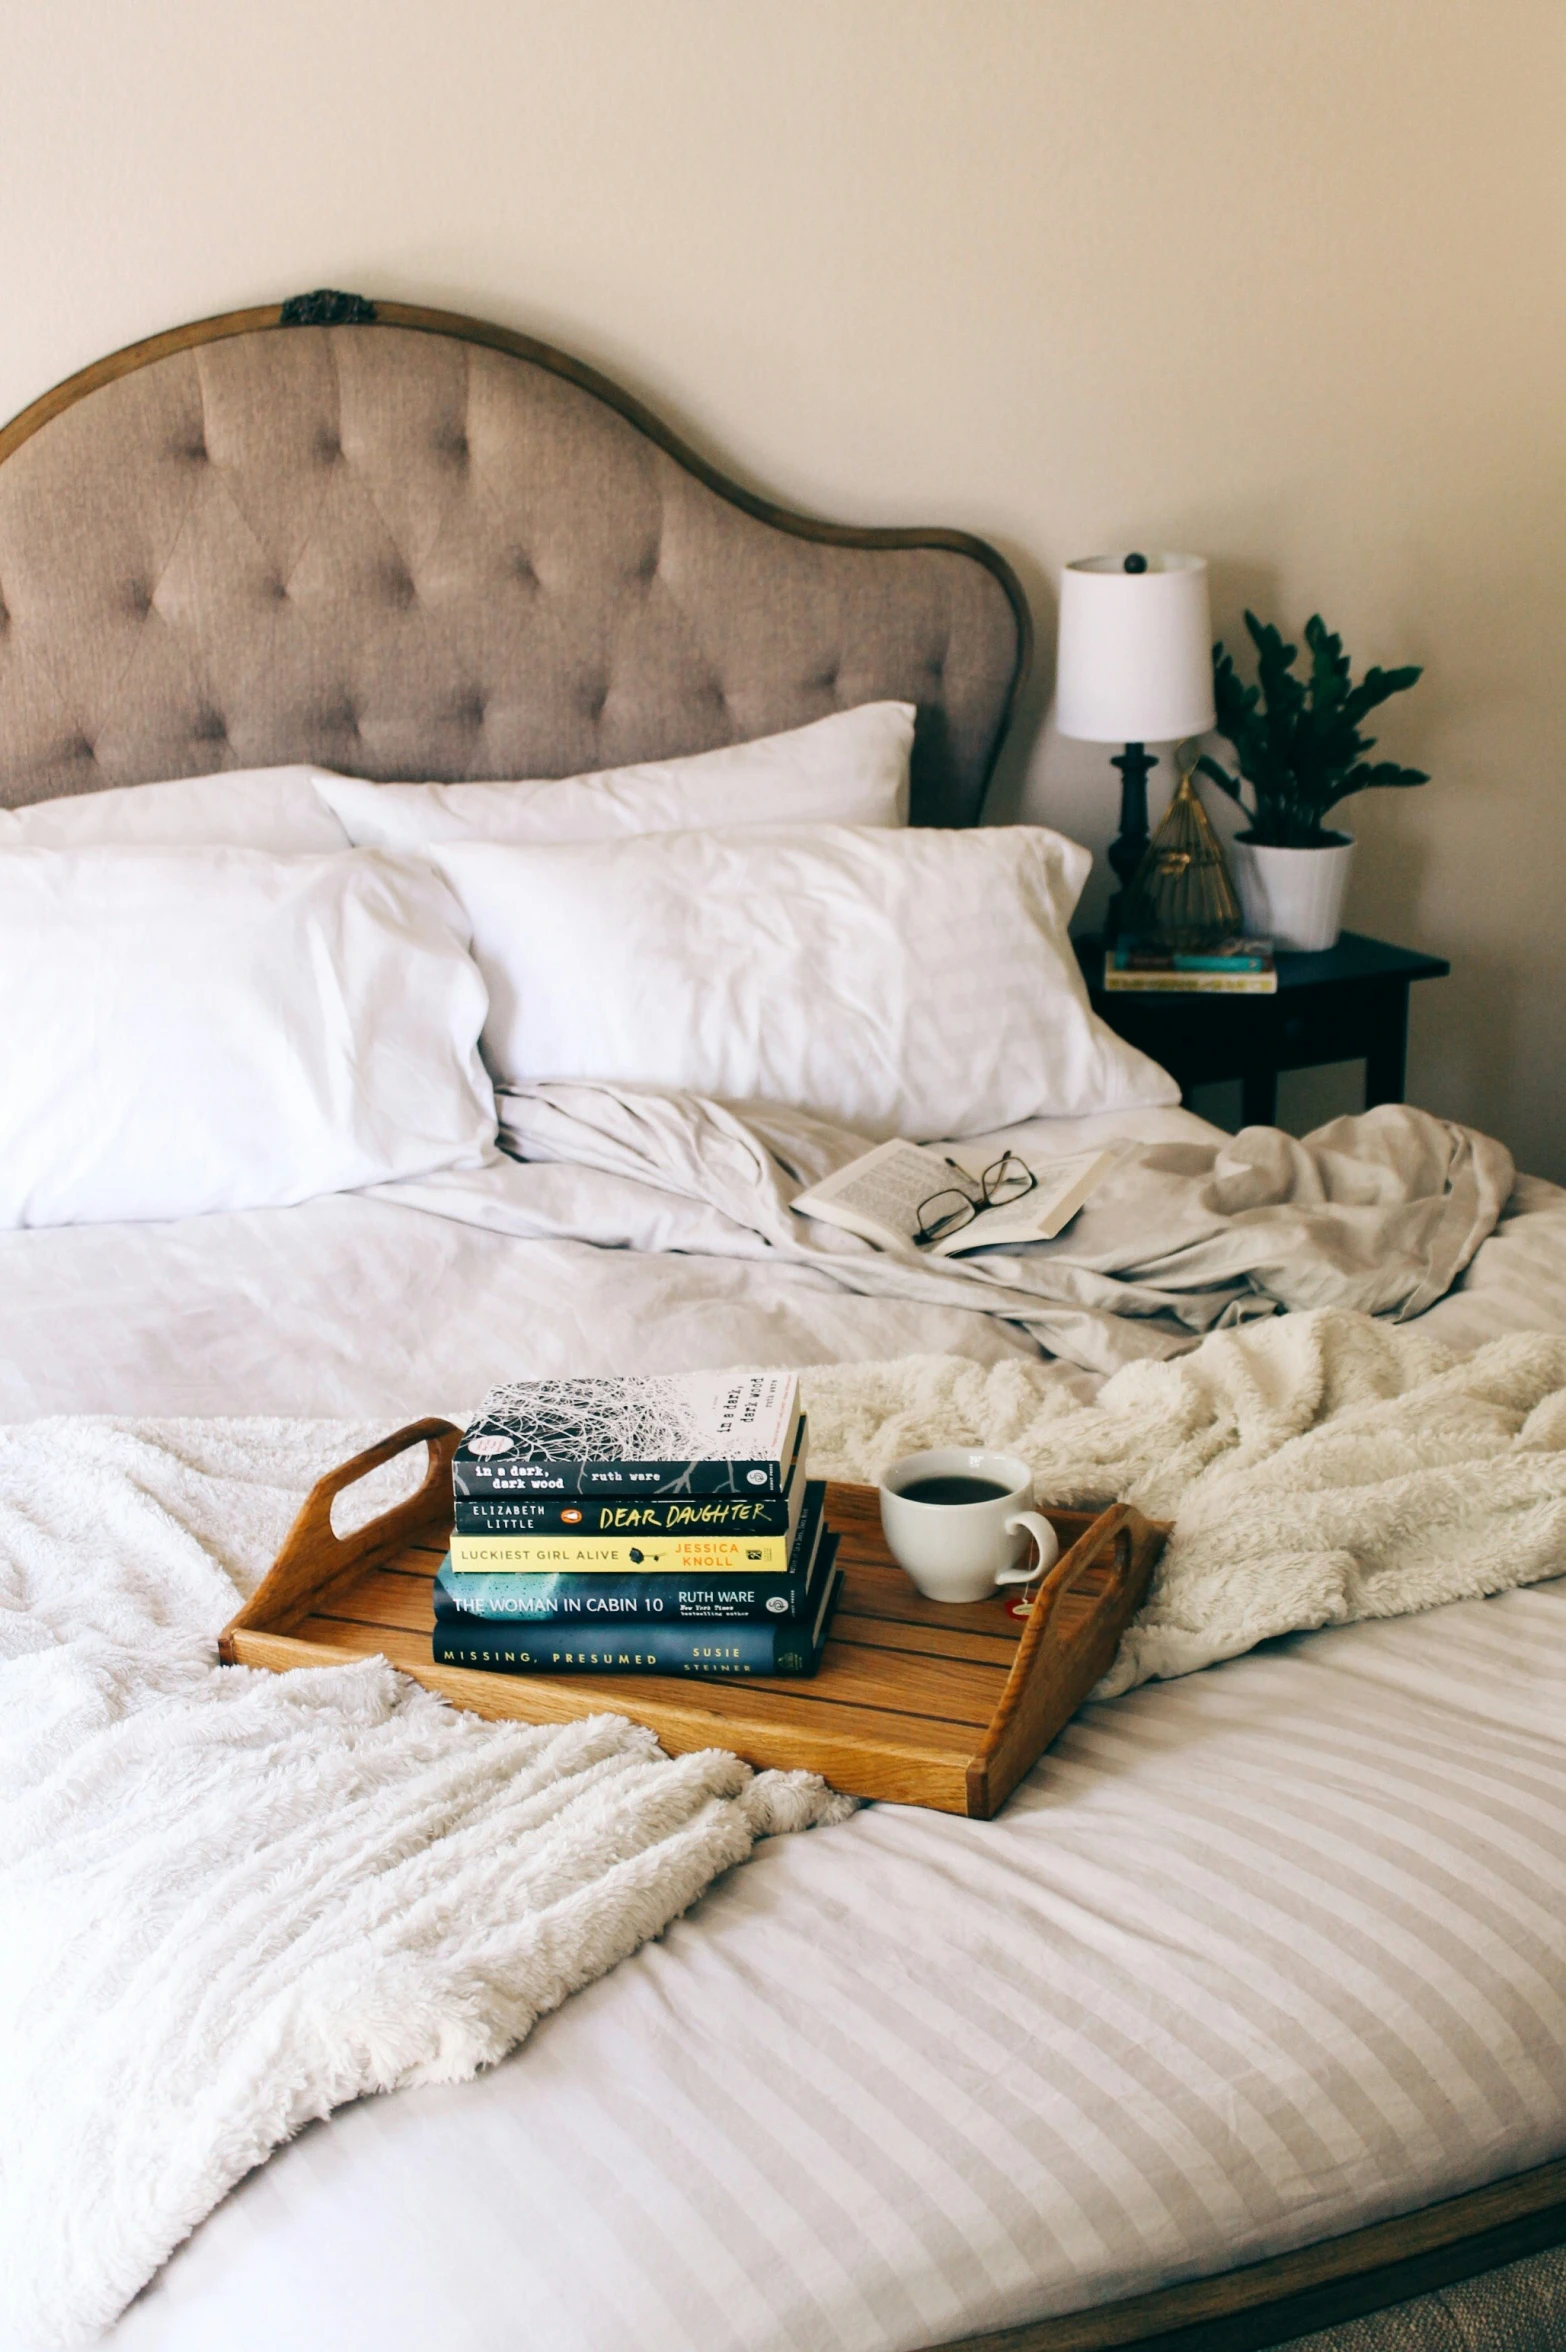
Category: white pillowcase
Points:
column 915, row 983
column 276, row 809
column 849, row 769
column 197, row 1029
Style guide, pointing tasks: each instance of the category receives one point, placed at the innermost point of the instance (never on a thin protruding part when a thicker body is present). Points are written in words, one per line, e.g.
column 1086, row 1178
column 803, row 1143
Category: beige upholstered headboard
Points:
column 411, row 545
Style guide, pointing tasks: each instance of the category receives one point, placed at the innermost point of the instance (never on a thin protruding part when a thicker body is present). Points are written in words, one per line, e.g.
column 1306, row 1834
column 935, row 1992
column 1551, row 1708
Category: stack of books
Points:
column 661, row 1525
column 1241, row 967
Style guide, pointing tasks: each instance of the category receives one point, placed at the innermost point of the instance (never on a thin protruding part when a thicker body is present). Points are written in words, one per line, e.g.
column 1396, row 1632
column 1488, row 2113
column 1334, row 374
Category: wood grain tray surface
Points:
column 915, row 1701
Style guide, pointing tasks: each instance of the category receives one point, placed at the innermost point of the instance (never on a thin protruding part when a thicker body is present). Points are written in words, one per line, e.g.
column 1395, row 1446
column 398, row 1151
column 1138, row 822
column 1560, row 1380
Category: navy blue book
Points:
column 724, row 1650
column 605, row 1596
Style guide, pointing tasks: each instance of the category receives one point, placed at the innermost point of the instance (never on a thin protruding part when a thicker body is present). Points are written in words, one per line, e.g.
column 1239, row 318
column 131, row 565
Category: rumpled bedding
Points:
column 1318, row 1468
column 1263, row 1953
column 1379, row 1213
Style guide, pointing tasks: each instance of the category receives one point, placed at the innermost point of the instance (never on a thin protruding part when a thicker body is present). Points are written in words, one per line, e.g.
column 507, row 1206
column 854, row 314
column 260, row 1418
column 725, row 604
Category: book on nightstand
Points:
column 1243, row 967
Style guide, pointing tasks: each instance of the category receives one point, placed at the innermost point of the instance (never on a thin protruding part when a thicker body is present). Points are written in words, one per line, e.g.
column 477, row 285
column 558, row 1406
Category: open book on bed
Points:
column 908, row 1196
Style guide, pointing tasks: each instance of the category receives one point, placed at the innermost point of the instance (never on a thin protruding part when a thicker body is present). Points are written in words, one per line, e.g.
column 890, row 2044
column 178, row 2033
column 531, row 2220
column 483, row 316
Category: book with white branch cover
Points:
column 653, row 1433
column 879, row 1196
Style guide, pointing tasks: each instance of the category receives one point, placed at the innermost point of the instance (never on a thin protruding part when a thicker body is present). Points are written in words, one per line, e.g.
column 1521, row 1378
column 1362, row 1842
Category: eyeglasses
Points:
column 1005, row 1179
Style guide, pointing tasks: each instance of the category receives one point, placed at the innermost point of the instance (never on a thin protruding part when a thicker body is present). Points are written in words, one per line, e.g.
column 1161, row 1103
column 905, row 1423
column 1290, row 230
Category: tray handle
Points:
column 1047, row 1683
column 315, row 1557
column 1111, row 1533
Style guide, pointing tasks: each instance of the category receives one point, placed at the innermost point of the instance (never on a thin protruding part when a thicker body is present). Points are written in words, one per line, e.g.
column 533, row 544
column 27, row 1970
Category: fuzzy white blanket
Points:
column 233, row 1900
column 1318, row 1468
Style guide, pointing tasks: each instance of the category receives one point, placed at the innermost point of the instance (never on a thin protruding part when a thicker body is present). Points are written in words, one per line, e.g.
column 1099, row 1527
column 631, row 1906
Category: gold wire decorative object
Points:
column 1181, row 896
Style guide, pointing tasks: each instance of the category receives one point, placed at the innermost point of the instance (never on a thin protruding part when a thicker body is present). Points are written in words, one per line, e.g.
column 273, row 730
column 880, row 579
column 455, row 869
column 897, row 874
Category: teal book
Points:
column 1238, row 955
column 1246, row 969
column 614, row 1596
column 723, row 1650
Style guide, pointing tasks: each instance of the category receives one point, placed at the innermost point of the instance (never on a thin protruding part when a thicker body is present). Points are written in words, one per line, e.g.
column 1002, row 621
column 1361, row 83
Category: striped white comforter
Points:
column 1257, row 1956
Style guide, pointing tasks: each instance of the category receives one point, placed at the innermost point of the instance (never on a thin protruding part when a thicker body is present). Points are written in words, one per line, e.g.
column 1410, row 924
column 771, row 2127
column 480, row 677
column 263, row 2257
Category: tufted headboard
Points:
column 411, row 545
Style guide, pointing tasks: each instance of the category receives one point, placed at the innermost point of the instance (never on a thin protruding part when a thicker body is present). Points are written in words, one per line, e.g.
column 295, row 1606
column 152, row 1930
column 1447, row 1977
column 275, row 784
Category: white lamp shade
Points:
column 1135, row 658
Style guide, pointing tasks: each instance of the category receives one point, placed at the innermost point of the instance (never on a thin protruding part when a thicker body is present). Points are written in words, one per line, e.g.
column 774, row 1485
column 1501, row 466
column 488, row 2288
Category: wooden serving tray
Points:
column 915, row 1701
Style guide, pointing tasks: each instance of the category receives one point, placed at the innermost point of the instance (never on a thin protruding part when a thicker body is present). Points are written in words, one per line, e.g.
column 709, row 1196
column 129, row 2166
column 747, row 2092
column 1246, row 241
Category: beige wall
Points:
column 1282, row 283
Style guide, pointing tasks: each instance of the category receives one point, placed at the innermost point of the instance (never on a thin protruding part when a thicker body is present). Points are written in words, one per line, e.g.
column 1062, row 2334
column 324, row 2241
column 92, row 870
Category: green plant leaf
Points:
column 1297, row 741
column 1386, row 774
column 1329, row 669
column 1207, row 766
column 1377, row 687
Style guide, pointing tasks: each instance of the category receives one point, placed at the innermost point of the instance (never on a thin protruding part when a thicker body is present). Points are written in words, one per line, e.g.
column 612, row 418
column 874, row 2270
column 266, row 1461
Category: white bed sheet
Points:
column 1517, row 1282
column 1255, row 1957
column 1258, row 1956
column 350, row 1306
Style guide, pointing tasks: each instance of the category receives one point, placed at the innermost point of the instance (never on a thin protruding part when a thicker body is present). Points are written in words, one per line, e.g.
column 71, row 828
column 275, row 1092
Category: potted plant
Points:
column 1299, row 748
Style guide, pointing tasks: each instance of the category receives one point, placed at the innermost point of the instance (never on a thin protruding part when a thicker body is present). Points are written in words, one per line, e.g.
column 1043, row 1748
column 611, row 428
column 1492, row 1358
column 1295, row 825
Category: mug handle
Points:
column 1048, row 1547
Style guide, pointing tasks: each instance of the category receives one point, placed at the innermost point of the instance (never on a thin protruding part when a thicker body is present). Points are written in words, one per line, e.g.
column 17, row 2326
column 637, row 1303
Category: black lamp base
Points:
column 1129, row 846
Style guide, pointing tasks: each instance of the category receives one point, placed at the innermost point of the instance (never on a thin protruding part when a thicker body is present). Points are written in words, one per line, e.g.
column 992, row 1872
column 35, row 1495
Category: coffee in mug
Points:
column 959, row 1521
column 952, row 1488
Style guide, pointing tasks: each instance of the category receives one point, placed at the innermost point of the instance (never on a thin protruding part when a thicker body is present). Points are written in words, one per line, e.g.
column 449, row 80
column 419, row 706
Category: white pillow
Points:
column 249, row 808
column 917, row 983
column 194, row 1029
column 849, row 769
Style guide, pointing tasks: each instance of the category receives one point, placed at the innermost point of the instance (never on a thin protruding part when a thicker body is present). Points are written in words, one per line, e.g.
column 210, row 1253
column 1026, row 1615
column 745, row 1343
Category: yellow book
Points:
column 1139, row 982
column 589, row 1555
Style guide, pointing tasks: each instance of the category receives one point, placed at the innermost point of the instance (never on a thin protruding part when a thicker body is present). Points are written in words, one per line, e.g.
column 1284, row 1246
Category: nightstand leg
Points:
column 1259, row 1097
column 1386, row 1052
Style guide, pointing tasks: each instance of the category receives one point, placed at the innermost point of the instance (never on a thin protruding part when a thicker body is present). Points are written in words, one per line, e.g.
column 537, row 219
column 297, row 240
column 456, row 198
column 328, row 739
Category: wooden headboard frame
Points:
column 406, row 543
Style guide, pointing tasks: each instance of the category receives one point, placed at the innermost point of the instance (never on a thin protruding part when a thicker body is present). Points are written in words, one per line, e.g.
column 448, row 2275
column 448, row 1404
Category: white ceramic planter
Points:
column 1292, row 896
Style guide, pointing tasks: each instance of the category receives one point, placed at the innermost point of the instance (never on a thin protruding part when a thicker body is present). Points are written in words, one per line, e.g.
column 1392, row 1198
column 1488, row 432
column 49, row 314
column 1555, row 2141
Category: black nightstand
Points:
column 1349, row 1004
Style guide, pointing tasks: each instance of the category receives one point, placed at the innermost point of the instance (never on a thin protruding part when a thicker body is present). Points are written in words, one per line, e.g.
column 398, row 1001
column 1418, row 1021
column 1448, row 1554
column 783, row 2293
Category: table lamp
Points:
column 1134, row 666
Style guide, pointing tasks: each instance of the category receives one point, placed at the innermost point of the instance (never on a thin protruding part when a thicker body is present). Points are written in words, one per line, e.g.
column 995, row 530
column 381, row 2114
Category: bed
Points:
column 1214, row 2036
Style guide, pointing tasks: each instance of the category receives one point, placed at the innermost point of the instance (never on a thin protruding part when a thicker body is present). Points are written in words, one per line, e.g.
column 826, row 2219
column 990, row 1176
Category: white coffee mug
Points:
column 962, row 1551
